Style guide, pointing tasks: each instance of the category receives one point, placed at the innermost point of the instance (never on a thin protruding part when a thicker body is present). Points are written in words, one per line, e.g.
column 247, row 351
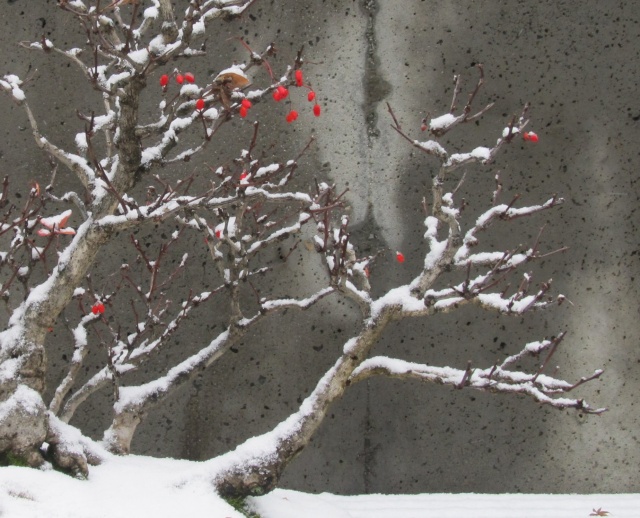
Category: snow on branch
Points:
column 75, row 163
column 134, row 401
column 542, row 388
column 79, row 354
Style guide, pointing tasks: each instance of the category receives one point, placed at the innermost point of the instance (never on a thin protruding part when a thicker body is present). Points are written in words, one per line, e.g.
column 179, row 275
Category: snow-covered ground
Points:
column 142, row 487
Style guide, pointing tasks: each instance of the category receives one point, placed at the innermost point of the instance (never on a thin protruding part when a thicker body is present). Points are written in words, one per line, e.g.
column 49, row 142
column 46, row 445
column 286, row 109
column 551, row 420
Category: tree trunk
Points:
column 23, row 416
column 22, row 427
column 255, row 469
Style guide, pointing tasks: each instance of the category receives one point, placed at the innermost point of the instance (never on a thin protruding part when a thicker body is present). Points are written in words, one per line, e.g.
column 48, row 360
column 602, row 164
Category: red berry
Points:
column 400, row 257
column 530, row 136
column 299, row 77
column 179, row 79
column 316, row 110
column 276, row 96
column 189, row 77
column 164, row 80
column 97, row 308
column 218, row 233
column 200, row 104
column 246, row 103
column 283, row 92
column 311, row 96
column 293, row 115
column 243, row 175
column 423, row 127
column 243, row 112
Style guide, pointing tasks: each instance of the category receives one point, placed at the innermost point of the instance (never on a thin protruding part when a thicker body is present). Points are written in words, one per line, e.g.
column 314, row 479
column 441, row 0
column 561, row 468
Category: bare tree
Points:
column 121, row 171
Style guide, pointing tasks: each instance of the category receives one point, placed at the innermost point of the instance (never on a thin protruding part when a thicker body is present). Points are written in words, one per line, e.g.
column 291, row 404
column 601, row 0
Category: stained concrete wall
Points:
column 577, row 63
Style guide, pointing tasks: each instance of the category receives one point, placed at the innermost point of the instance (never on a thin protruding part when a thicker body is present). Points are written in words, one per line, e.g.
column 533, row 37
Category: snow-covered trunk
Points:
column 22, row 349
column 23, row 366
column 118, row 437
column 255, row 467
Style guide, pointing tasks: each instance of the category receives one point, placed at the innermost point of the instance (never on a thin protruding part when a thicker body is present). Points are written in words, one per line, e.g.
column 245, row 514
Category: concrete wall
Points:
column 577, row 62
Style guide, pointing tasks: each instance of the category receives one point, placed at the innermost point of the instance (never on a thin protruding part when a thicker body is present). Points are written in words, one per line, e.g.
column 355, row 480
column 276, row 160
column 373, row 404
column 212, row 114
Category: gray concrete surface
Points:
column 578, row 64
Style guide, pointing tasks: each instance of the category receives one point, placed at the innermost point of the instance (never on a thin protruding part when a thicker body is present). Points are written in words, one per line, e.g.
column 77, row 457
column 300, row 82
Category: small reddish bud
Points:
column 164, row 80
column 246, row 103
column 218, row 233
column 189, row 77
column 530, row 136
column 243, row 112
column 423, row 127
column 400, row 257
column 293, row 115
column 299, row 81
column 179, row 79
column 366, row 272
column 311, row 96
column 317, row 110
column 200, row 104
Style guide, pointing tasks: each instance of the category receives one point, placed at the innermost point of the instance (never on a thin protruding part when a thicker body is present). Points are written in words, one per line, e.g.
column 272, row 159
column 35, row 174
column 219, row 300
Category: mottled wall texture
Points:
column 578, row 64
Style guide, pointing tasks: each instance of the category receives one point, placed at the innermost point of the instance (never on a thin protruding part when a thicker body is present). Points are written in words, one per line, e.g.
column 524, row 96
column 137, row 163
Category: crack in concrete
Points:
column 375, row 87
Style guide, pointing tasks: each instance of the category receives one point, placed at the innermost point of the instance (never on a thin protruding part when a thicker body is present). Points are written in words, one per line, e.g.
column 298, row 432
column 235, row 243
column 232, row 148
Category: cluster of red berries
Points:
column 279, row 94
column 97, row 308
column 282, row 92
column 180, row 79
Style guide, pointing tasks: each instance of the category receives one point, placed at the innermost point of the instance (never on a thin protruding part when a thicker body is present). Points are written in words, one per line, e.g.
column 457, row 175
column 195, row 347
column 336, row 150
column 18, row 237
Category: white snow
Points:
column 400, row 297
column 481, row 152
column 147, row 487
column 140, row 56
column 442, row 122
column 24, row 400
column 211, row 114
column 291, row 504
column 81, row 142
column 235, row 70
column 151, row 12
column 432, row 147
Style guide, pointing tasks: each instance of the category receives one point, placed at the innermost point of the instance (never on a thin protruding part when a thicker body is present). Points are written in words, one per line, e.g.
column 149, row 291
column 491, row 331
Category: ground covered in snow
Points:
column 141, row 487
